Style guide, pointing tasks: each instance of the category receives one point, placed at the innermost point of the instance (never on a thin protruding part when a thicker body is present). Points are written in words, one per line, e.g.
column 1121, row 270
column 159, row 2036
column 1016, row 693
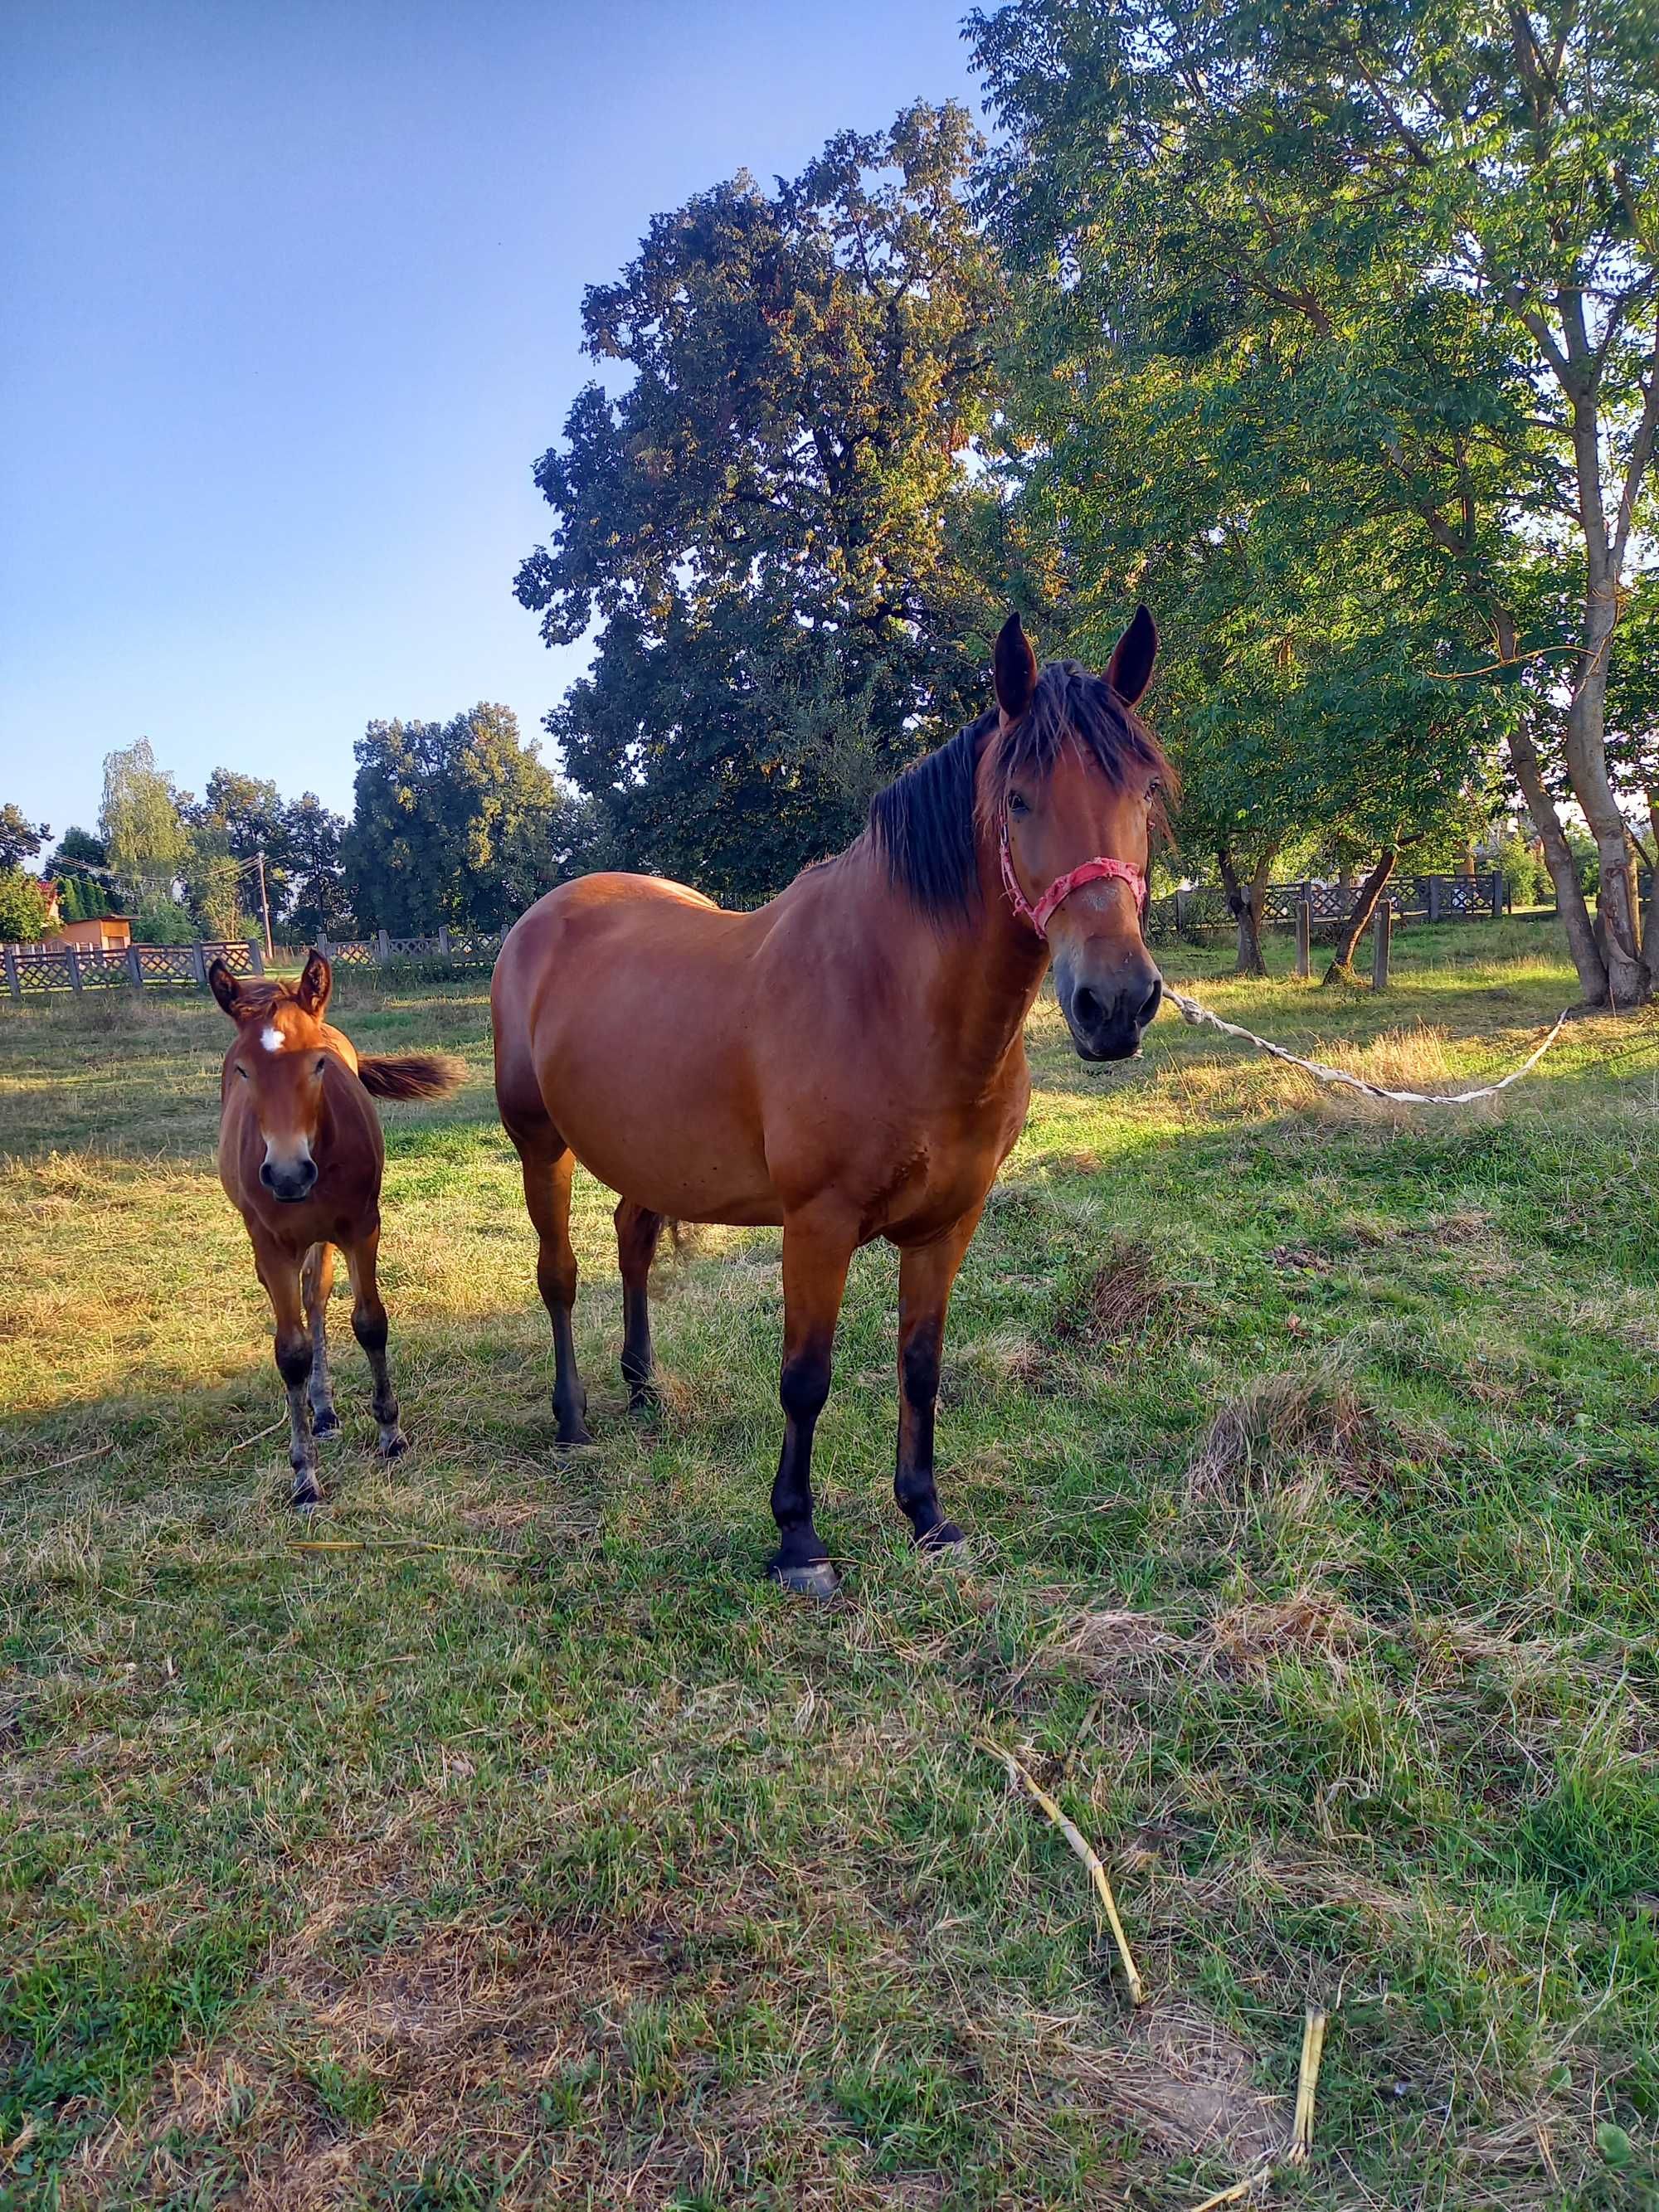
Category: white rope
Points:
column 1201, row 1018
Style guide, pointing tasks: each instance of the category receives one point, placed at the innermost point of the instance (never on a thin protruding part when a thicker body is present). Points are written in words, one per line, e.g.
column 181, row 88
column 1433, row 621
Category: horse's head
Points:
column 277, row 1062
column 1069, row 786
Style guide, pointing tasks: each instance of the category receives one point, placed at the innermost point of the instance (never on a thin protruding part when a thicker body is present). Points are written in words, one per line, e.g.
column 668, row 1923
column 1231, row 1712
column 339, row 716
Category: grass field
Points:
column 1309, row 1455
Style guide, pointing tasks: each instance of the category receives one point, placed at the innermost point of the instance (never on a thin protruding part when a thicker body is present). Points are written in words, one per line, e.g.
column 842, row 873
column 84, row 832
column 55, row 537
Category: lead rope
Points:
column 1200, row 1017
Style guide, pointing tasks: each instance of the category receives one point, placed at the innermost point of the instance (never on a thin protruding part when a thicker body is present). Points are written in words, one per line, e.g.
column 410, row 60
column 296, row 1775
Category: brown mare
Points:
column 848, row 1062
column 300, row 1157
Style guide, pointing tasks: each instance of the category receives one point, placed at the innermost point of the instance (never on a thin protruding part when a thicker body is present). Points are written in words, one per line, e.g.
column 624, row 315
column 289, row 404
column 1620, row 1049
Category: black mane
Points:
column 923, row 825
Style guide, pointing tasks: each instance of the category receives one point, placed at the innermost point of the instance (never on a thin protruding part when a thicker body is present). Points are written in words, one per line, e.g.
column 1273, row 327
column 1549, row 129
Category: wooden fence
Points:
column 30, row 971
column 1204, row 911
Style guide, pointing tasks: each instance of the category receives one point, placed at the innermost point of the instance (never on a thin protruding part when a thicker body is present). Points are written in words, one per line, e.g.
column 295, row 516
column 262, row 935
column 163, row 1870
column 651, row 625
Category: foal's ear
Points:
column 1130, row 670
column 1014, row 666
column 316, row 981
column 226, row 989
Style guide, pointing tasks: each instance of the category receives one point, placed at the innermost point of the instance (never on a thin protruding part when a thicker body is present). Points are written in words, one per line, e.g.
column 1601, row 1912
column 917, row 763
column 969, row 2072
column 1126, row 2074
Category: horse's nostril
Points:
column 266, row 1176
column 1085, row 1007
column 1154, row 997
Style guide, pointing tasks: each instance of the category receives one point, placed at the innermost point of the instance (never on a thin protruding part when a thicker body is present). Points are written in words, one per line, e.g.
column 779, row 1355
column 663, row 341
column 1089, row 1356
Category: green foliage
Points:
column 317, row 899
column 142, row 825
column 458, row 823
column 162, row 921
column 80, row 848
column 22, row 907
column 19, row 839
column 771, row 525
column 1382, row 286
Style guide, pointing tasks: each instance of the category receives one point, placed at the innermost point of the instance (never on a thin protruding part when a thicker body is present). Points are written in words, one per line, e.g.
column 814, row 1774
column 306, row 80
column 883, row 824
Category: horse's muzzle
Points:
column 289, row 1184
column 1109, row 1027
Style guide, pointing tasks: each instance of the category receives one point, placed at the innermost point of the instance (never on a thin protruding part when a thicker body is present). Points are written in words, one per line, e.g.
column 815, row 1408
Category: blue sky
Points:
column 293, row 299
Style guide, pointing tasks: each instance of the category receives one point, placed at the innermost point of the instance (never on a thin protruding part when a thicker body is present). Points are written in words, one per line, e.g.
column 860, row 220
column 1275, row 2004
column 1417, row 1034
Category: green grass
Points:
column 1309, row 1452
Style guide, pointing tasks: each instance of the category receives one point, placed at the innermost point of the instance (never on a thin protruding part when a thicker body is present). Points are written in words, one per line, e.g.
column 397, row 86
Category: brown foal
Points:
column 301, row 1156
column 849, row 1062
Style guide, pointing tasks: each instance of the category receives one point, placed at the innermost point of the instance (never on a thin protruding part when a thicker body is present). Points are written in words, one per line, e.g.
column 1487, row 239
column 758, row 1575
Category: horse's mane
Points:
column 923, row 823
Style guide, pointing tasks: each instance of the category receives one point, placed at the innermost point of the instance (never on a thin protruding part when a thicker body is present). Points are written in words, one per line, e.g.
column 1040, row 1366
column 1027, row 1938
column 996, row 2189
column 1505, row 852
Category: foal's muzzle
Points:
column 290, row 1183
column 1107, row 1023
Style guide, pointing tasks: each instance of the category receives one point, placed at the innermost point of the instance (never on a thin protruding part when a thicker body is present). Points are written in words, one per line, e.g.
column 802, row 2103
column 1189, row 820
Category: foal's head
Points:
column 1071, row 778
column 278, row 1063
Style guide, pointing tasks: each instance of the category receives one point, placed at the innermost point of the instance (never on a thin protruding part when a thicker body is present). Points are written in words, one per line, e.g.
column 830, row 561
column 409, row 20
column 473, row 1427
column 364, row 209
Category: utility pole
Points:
column 265, row 903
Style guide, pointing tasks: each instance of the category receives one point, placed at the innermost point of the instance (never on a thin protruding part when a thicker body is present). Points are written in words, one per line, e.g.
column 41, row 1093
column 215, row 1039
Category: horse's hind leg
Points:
column 926, row 1272
column 637, row 1231
column 549, row 1164
column 316, row 1283
column 279, row 1270
column 368, row 1326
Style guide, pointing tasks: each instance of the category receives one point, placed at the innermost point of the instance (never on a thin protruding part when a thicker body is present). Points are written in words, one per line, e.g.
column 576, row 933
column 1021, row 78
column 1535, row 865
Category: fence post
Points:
column 74, row 967
column 12, row 984
column 1498, row 895
column 1305, row 939
column 256, row 955
column 134, row 967
column 1434, row 898
column 1180, row 911
column 1381, row 935
column 199, row 964
column 443, row 939
column 383, row 948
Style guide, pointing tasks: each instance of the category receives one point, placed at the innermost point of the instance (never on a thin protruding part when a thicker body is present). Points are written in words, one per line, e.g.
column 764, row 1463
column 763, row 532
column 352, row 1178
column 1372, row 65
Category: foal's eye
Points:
column 1155, row 786
column 241, row 1070
column 1017, row 805
column 322, row 1062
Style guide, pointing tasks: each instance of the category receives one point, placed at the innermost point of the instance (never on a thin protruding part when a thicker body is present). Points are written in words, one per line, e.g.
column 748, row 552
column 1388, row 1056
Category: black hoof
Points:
column 644, row 1398
column 944, row 1536
column 305, row 1492
column 816, row 1579
column 393, row 1444
column 575, row 1439
column 325, row 1424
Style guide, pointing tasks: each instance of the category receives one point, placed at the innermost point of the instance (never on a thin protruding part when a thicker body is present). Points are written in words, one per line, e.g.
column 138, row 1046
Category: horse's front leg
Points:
column 817, row 1250
column 316, row 1283
column 279, row 1270
column 368, row 1326
column 926, row 1272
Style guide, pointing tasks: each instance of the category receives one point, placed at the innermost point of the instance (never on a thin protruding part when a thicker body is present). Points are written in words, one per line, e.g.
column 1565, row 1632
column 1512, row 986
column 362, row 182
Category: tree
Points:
column 239, row 818
column 23, row 907
column 80, row 848
column 141, row 824
column 458, row 824
column 1428, row 230
column 318, row 902
column 19, row 839
column 769, row 525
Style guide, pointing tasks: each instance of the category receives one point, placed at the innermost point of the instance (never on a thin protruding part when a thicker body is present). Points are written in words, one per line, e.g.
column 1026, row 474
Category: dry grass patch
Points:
column 1177, row 2074
column 1122, row 1300
column 1283, row 1430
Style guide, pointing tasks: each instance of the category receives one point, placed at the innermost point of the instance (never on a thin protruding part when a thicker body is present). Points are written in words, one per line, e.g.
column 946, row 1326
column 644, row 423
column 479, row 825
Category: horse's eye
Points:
column 241, row 1070
column 1017, row 805
column 322, row 1062
column 1155, row 786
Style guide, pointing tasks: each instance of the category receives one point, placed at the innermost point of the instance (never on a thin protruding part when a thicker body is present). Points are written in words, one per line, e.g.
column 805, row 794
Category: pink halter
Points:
column 1062, row 887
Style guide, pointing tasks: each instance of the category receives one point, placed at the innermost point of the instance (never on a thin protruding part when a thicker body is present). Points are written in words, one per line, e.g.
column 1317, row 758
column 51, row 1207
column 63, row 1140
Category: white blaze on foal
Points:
column 271, row 1038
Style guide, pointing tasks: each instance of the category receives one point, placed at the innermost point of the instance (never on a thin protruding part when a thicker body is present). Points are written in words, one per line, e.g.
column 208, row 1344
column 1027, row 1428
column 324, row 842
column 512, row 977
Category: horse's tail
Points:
column 410, row 1075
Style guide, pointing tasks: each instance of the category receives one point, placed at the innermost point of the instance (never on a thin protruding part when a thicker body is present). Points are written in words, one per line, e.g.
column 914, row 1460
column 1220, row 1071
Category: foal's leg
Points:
column 316, row 1282
column 368, row 1326
column 925, row 1274
column 817, row 1254
column 547, row 1177
column 637, row 1231
column 279, row 1270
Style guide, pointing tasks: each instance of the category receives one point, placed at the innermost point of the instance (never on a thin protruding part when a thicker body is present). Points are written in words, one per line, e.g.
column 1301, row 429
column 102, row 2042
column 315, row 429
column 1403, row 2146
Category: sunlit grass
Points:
column 1310, row 1451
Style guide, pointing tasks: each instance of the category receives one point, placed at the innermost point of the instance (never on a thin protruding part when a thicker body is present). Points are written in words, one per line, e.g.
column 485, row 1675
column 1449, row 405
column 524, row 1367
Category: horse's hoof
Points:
column 393, row 1443
column 816, row 1579
column 326, row 1426
column 644, row 1398
column 944, row 1540
column 305, row 1492
column 574, row 1439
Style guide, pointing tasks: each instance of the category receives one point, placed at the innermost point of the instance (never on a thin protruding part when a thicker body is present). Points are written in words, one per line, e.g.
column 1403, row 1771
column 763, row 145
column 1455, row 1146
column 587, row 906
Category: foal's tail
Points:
column 410, row 1075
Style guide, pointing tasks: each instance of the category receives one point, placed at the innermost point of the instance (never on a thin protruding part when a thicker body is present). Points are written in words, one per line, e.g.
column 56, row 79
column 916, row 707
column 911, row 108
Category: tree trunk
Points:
column 1563, row 870
column 1341, row 968
column 1244, row 903
column 1650, row 918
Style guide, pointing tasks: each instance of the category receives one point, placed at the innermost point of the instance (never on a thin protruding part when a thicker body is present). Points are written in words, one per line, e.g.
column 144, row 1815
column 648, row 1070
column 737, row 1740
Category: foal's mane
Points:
column 924, row 824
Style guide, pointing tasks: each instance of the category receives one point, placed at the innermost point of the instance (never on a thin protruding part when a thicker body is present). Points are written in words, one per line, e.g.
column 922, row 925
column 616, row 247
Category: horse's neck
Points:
column 989, row 968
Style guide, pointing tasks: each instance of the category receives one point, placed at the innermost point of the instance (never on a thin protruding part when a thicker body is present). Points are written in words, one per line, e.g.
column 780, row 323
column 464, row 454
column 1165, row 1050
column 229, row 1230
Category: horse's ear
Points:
column 1130, row 670
column 226, row 989
column 316, row 981
column 1014, row 666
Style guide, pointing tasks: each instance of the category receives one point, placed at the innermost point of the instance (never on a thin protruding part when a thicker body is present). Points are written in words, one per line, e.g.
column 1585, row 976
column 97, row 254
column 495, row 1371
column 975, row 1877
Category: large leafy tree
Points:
column 457, row 822
column 318, row 900
column 19, row 838
column 141, row 824
column 23, row 907
column 1411, row 245
column 767, row 523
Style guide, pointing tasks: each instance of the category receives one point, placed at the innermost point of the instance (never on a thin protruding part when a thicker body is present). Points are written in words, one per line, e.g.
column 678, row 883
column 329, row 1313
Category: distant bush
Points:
column 1524, row 872
column 162, row 921
column 23, row 907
